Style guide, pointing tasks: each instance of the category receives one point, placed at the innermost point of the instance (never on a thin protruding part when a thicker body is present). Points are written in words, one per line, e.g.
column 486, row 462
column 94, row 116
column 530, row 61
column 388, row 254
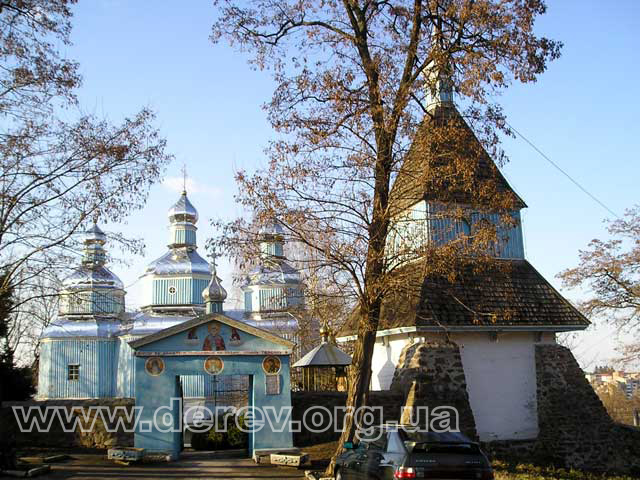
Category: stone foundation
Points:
column 430, row 374
column 56, row 437
column 575, row 429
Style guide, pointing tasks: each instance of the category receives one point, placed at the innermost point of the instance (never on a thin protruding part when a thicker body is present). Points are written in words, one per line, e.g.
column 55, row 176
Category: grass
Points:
column 321, row 453
column 504, row 471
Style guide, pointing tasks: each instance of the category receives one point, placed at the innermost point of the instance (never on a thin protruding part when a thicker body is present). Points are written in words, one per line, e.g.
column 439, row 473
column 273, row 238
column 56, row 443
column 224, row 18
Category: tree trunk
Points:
column 359, row 376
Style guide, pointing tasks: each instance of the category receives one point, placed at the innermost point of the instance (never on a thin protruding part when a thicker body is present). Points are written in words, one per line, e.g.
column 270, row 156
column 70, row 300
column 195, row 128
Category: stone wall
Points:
column 431, row 374
column 96, row 437
column 575, row 429
column 389, row 402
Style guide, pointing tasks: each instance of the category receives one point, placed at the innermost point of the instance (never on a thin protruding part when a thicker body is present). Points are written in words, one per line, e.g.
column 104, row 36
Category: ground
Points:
column 192, row 466
column 196, row 465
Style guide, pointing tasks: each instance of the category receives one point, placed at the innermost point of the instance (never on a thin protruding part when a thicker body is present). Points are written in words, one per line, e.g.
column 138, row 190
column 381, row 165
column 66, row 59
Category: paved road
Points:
column 194, row 466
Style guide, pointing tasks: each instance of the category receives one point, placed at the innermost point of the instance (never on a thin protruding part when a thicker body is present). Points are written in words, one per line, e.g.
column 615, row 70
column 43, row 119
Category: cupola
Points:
column 214, row 295
column 92, row 289
column 173, row 283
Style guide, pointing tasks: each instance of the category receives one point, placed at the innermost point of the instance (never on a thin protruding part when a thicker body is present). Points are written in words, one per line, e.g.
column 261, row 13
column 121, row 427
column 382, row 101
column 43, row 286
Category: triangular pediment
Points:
column 213, row 333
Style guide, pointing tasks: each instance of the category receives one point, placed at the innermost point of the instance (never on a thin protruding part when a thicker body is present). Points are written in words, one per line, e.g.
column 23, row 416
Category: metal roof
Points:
column 273, row 272
column 183, row 209
column 180, row 260
column 324, row 355
column 84, row 278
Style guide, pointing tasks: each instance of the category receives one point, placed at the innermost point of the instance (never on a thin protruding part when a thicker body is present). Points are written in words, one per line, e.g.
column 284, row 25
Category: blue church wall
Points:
column 92, row 302
column 95, row 360
column 188, row 291
column 441, row 230
column 243, row 356
column 205, row 338
column 153, row 392
column 275, row 249
column 125, row 372
column 183, row 236
column 427, row 222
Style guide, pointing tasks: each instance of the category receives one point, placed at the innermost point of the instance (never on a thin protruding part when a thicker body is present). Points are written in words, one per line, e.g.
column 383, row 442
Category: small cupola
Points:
column 214, row 294
column 272, row 240
column 182, row 223
column 92, row 289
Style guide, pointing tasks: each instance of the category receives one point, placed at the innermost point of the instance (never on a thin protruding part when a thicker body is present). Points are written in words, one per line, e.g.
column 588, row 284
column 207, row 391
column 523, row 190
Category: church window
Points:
column 73, row 372
column 172, row 290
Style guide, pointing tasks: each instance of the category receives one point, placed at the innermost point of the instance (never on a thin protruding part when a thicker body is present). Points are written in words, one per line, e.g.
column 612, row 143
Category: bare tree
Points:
column 610, row 271
column 59, row 168
column 351, row 81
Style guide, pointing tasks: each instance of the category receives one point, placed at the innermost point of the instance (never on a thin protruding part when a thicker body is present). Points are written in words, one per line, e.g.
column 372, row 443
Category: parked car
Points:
column 394, row 452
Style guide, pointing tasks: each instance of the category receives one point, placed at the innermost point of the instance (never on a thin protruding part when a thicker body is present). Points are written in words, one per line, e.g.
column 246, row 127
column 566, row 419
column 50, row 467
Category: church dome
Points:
column 272, row 228
column 274, row 272
column 183, row 211
column 92, row 272
column 214, row 292
column 174, row 282
column 92, row 289
column 179, row 261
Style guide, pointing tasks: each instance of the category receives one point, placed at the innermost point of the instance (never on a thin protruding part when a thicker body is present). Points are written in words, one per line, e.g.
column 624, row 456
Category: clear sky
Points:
column 583, row 113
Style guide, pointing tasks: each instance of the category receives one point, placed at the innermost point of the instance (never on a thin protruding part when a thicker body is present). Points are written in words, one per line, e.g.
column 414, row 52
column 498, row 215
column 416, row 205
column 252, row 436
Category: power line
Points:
column 557, row 167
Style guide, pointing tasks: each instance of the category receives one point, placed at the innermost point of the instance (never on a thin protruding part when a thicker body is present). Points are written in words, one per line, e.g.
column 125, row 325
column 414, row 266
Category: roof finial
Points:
column 184, row 178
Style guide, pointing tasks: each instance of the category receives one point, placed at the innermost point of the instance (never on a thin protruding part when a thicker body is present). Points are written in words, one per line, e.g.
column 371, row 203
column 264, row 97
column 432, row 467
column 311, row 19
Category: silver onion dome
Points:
column 183, row 210
column 214, row 291
column 273, row 228
column 95, row 235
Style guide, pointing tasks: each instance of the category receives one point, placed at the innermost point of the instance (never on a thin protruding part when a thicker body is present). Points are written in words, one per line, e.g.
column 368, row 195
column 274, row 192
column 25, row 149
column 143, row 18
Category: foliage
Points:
column 610, row 271
column 621, row 409
column 220, row 438
column 15, row 383
column 352, row 80
column 59, row 168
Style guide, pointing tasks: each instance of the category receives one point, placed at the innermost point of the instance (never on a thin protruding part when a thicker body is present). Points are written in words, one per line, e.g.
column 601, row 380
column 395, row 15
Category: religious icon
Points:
column 213, row 365
column 154, row 366
column 235, row 337
column 213, row 340
column 271, row 365
column 192, row 336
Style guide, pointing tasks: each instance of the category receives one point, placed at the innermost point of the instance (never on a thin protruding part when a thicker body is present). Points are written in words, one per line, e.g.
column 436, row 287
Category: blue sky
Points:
column 582, row 113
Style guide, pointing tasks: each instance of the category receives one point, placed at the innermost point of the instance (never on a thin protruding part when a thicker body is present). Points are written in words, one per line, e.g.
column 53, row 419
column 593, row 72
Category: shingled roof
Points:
column 503, row 295
column 445, row 147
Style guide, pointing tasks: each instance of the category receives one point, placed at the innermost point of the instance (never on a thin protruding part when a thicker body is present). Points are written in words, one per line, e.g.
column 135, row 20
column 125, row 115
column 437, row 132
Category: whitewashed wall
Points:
column 501, row 382
column 385, row 358
column 501, row 379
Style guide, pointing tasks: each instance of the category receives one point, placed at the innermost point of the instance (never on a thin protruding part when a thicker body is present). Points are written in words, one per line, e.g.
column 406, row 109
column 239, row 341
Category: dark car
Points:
column 396, row 452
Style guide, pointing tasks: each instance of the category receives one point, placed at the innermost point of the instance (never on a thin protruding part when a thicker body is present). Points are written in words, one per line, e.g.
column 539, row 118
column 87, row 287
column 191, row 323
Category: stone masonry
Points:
column 575, row 429
column 430, row 374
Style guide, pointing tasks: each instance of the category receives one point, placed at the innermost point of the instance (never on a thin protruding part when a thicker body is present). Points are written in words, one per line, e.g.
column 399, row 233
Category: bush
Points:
column 200, row 441
column 217, row 439
column 236, row 437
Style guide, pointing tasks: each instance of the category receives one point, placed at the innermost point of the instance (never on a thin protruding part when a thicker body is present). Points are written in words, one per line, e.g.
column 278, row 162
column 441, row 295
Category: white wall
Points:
column 384, row 361
column 501, row 379
column 501, row 382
